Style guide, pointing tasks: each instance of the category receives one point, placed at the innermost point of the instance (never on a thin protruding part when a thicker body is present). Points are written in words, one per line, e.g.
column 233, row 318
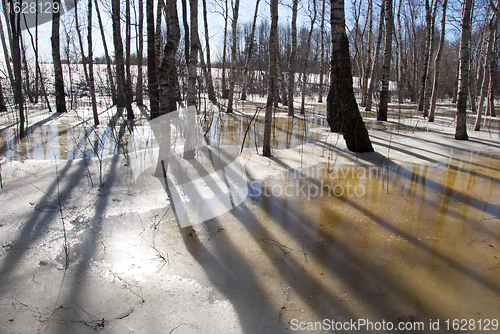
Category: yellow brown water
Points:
column 405, row 244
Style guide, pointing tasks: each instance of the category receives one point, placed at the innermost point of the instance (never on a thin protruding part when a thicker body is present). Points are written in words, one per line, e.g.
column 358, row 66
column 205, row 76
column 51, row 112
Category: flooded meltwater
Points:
column 287, row 132
column 405, row 244
column 63, row 142
column 60, row 142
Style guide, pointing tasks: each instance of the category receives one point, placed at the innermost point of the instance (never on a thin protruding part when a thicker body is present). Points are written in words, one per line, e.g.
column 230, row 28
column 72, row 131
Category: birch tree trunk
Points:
column 342, row 110
column 304, row 68
column 123, row 92
column 56, row 60
column 232, row 73
column 386, row 67
column 271, row 87
column 91, row 65
column 193, row 54
column 106, row 54
column 322, row 56
column 291, row 65
column 249, row 53
column 437, row 60
column 463, row 84
column 371, row 85
column 168, row 71
column 154, row 104
column 140, row 51
column 210, row 82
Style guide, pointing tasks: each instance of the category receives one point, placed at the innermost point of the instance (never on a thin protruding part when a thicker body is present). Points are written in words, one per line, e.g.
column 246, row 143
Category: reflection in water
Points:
column 58, row 141
column 404, row 243
column 286, row 133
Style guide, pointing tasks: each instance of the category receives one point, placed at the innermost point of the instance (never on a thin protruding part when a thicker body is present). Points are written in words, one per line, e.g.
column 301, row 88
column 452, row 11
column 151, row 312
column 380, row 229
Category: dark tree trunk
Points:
column 154, row 105
column 168, row 71
column 342, row 110
column 249, row 53
column 56, row 60
column 386, row 67
column 210, row 83
column 271, row 86
column 291, row 65
column 463, row 84
column 123, row 91
column 106, row 54
column 140, row 50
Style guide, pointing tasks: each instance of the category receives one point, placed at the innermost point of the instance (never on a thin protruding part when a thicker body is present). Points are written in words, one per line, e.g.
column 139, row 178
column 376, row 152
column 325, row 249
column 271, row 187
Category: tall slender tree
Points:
column 463, row 83
column 56, row 60
column 271, row 86
column 437, row 60
column 210, row 83
column 322, row 52
column 371, row 85
column 291, row 65
column 168, row 77
column 306, row 59
column 342, row 110
column 386, row 66
column 246, row 71
column 106, row 54
column 140, row 51
column 154, row 104
column 232, row 72
column 193, row 55
column 123, row 91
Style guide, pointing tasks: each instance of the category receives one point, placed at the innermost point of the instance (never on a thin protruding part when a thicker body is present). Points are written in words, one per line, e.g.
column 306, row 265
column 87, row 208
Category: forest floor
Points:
column 408, row 234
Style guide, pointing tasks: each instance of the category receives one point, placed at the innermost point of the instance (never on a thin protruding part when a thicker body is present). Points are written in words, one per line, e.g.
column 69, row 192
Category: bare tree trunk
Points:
column 140, row 51
column 128, row 37
column 91, row 66
column 342, row 110
column 28, row 90
column 225, row 91
column 154, row 105
column 232, row 73
column 437, row 60
column 322, row 56
column 281, row 82
column 38, row 70
column 186, row 31
column 490, row 110
column 123, row 92
column 15, row 24
column 249, row 53
column 428, row 33
column 106, row 54
column 169, row 84
column 271, row 87
column 210, row 82
column 291, row 65
column 371, row 85
column 461, row 129
column 386, row 67
column 56, row 60
column 367, row 73
column 193, row 55
column 158, row 41
column 427, row 91
column 6, row 56
column 304, row 68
